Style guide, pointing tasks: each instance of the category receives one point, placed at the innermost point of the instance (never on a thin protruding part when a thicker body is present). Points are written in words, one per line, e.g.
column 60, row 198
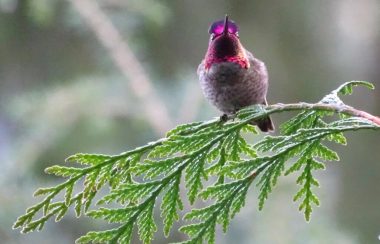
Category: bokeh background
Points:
column 108, row 75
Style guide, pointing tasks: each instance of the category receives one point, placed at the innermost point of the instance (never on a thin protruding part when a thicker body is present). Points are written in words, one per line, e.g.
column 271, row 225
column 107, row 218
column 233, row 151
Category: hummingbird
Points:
column 230, row 76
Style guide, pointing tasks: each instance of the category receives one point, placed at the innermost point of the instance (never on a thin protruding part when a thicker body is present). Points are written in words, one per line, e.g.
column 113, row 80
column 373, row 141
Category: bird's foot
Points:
column 223, row 118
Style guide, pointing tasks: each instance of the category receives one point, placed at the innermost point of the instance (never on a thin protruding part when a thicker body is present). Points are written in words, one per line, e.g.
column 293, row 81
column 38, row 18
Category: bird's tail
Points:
column 265, row 124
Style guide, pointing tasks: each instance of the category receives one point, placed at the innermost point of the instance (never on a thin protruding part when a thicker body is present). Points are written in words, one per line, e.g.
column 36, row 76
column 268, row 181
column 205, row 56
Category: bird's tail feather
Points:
column 265, row 124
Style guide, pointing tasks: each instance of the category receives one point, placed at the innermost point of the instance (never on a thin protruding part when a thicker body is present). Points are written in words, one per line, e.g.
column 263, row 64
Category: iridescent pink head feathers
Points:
column 224, row 45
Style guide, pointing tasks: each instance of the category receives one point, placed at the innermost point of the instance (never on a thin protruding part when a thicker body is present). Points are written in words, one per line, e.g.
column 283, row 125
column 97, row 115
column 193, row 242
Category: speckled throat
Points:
column 226, row 48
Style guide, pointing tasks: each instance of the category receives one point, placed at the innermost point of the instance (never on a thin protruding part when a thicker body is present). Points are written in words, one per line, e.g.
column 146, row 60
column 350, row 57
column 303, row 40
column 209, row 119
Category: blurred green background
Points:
column 105, row 76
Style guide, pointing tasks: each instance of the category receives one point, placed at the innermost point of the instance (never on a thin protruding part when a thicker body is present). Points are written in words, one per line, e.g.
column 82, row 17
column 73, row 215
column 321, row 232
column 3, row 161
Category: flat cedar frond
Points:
column 200, row 151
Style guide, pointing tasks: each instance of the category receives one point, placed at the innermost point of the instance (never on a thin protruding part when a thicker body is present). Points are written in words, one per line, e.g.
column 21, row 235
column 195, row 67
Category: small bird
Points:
column 230, row 76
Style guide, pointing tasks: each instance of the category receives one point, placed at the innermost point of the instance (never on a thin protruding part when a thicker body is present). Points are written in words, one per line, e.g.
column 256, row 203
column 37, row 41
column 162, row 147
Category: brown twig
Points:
column 124, row 58
column 337, row 108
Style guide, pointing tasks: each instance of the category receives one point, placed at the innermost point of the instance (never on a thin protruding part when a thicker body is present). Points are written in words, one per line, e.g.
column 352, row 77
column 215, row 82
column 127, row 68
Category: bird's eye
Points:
column 237, row 34
column 212, row 36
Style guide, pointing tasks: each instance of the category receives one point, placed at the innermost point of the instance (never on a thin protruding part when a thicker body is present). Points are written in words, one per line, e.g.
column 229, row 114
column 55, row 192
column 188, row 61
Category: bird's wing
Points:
column 201, row 67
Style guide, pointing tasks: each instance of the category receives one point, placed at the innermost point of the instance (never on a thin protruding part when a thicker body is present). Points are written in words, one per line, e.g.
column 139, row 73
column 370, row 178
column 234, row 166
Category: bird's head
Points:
column 224, row 44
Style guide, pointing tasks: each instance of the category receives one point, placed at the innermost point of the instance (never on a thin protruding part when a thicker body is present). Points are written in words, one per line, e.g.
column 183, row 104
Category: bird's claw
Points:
column 223, row 118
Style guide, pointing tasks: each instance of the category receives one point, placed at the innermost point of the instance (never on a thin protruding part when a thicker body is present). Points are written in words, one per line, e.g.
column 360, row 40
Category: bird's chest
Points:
column 228, row 86
column 226, row 74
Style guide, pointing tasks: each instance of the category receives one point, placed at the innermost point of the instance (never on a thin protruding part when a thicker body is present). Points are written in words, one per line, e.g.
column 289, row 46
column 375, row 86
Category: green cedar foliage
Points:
column 212, row 151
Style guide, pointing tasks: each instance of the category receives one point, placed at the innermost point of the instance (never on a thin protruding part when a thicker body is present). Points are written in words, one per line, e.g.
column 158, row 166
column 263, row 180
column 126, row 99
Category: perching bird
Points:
column 230, row 76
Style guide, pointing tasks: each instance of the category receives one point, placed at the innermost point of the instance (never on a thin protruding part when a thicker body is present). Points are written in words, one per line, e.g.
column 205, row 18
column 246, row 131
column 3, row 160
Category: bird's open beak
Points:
column 225, row 30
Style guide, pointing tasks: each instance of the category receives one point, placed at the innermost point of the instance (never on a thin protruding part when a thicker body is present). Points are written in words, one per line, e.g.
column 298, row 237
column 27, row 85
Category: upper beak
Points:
column 225, row 30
